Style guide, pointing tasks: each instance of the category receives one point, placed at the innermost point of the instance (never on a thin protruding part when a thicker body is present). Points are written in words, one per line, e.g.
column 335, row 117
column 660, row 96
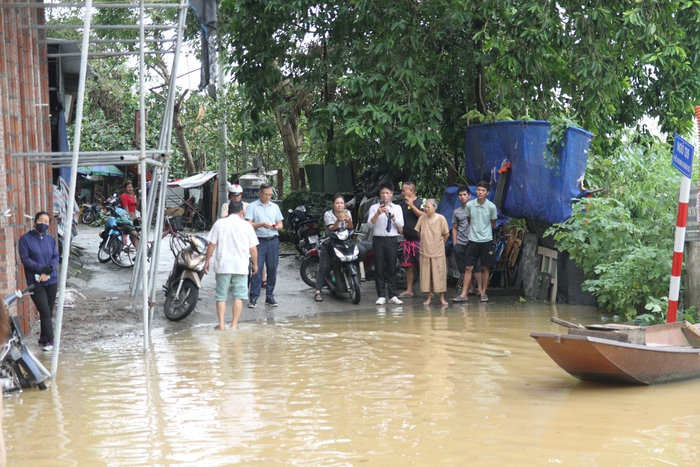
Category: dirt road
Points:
column 99, row 304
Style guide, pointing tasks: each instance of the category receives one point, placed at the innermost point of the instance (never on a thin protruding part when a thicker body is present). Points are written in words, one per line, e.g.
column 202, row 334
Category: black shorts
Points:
column 460, row 251
column 480, row 251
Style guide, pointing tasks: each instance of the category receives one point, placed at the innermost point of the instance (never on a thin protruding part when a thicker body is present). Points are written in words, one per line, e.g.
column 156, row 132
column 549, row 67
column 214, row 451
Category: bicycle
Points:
column 122, row 248
column 171, row 229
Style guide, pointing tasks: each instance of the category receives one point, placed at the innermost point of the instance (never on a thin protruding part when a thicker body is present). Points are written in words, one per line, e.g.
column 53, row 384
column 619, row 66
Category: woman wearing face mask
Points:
column 37, row 250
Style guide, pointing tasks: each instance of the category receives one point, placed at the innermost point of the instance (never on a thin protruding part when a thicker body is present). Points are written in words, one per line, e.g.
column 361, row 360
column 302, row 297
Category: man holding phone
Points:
column 266, row 218
column 387, row 219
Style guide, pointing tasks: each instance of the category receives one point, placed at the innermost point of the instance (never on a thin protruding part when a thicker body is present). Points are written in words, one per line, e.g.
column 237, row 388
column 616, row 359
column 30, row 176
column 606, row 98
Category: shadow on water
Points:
column 396, row 385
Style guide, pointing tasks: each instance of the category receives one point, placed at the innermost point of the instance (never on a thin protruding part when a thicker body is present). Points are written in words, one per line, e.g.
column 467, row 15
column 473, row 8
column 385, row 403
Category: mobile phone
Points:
column 381, row 202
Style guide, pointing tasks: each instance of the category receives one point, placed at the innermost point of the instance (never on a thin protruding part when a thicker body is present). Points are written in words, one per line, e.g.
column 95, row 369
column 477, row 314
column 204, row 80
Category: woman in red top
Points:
column 128, row 200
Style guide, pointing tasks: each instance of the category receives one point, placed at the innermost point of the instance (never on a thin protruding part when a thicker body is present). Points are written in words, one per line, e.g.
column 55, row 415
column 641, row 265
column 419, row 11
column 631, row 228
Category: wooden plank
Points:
column 610, row 335
column 566, row 324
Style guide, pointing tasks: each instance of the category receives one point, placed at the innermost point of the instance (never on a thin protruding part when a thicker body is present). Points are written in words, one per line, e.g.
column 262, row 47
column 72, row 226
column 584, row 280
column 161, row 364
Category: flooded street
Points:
column 373, row 386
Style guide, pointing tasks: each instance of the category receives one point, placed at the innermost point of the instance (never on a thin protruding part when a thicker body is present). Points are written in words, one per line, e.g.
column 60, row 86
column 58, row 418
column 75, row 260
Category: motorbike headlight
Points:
column 199, row 267
column 349, row 256
column 181, row 259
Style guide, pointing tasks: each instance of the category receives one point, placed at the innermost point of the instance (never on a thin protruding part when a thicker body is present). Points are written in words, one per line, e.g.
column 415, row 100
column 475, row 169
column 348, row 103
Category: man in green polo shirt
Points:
column 482, row 215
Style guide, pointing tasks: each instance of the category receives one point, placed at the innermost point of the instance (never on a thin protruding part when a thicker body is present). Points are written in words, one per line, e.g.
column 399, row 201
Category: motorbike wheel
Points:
column 88, row 217
column 309, row 268
column 353, row 284
column 103, row 255
column 178, row 309
column 199, row 222
column 123, row 254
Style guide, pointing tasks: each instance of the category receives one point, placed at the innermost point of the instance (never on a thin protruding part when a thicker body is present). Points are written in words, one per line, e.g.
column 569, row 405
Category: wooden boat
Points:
column 624, row 354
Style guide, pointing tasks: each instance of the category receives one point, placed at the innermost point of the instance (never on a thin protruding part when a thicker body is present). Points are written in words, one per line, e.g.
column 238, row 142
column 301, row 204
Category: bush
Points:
column 624, row 240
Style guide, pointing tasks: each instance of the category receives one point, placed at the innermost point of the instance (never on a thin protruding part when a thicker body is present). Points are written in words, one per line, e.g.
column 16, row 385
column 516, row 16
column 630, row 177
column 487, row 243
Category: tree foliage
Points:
column 112, row 99
column 387, row 83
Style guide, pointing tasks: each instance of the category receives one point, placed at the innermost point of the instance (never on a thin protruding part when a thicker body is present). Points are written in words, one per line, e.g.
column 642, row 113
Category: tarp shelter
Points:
column 534, row 192
column 193, row 187
column 194, row 181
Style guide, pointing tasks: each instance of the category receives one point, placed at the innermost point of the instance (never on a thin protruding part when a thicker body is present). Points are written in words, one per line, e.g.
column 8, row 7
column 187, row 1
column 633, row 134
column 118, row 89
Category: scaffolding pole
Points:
column 141, row 257
column 104, row 154
column 71, row 191
column 164, row 144
column 142, row 156
column 92, row 5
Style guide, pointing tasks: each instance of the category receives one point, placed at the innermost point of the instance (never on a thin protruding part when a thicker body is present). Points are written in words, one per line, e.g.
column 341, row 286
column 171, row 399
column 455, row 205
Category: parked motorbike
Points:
column 366, row 261
column 185, row 280
column 344, row 274
column 371, row 268
column 89, row 213
column 305, row 230
column 19, row 368
column 113, row 247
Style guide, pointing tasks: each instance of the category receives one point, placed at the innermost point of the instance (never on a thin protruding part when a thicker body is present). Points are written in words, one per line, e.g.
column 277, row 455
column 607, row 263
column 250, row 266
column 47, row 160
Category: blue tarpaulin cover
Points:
column 534, row 192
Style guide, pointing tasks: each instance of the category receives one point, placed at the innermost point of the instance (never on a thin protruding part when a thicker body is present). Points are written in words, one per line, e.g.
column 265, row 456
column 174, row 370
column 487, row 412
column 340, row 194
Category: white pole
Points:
column 71, row 191
column 143, row 245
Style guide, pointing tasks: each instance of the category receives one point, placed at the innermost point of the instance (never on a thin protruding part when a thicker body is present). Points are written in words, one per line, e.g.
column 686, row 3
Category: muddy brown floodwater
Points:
column 362, row 386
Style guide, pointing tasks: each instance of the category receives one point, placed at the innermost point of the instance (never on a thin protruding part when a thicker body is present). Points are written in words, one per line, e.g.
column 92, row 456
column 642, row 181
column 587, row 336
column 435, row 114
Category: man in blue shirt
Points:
column 266, row 218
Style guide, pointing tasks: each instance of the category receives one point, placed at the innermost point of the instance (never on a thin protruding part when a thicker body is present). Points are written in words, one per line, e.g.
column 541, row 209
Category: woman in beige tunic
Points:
column 433, row 231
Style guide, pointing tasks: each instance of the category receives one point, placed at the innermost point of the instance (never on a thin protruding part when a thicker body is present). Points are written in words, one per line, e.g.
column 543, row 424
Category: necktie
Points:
column 388, row 222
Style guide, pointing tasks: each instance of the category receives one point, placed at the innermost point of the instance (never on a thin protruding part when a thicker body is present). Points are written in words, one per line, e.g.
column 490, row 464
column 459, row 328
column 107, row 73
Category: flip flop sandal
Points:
column 318, row 297
column 484, row 298
column 460, row 299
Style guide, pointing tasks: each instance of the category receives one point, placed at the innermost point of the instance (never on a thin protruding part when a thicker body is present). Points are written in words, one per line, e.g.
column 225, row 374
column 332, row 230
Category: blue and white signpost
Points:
column 683, row 161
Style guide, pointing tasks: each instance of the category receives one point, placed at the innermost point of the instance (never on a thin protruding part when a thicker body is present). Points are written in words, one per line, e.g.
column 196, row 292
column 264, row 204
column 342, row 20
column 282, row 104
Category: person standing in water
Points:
column 39, row 255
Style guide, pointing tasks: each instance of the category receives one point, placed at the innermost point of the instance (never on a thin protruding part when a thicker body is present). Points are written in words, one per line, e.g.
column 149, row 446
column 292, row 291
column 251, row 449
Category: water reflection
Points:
column 396, row 386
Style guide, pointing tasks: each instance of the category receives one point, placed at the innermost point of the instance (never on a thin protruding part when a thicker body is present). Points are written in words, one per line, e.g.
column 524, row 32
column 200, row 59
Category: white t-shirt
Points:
column 233, row 237
column 224, row 208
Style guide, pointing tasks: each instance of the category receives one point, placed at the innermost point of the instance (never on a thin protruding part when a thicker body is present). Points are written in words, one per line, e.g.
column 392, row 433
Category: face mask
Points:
column 42, row 228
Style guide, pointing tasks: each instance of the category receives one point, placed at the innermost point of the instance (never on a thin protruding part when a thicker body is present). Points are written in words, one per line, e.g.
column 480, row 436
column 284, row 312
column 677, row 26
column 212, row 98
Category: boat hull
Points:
column 602, row 360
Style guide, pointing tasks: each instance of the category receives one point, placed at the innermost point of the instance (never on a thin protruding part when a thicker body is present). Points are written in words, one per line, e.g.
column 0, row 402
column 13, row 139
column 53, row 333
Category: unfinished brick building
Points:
column 25, row 127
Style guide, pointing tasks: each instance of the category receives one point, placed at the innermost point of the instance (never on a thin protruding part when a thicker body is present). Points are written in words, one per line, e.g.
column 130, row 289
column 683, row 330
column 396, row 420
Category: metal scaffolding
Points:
column 143, row 278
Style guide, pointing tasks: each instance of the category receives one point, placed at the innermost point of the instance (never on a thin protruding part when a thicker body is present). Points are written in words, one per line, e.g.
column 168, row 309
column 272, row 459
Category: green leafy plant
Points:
column 555, row 139
column 624, row 242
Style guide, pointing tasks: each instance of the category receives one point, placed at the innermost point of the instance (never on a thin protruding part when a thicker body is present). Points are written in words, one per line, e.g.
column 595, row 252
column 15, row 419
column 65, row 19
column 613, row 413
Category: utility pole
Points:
column 223, row 162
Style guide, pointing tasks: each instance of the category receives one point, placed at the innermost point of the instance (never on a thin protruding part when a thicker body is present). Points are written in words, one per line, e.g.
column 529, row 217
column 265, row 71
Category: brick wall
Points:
column 25, row 127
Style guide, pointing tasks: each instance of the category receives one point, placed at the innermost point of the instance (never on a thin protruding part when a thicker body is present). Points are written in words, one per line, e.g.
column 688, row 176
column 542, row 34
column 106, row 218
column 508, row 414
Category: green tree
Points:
column 623, row 239
column 387, row 83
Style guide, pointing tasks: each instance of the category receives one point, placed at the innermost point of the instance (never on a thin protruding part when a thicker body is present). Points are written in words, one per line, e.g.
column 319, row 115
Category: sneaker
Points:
column 396, row 300
column 380, row 301
column 252, row 303
column 271, row 302
column 47, row 347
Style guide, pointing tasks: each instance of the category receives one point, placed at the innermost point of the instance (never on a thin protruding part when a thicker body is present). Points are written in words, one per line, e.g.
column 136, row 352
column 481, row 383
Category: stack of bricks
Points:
column 24, row 127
